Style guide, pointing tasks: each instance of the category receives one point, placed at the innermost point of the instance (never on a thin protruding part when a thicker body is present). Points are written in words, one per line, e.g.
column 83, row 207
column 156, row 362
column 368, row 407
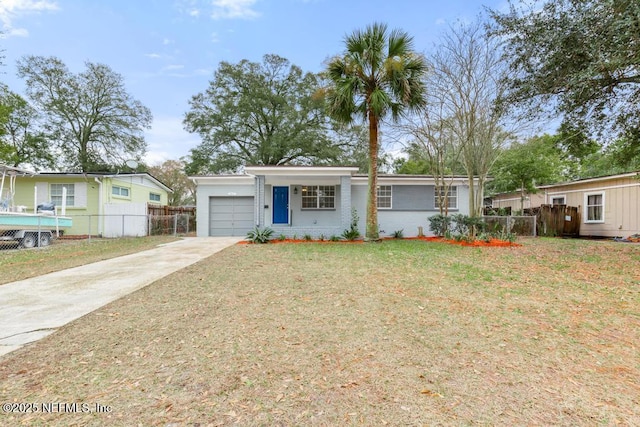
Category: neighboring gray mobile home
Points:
column 317, row 201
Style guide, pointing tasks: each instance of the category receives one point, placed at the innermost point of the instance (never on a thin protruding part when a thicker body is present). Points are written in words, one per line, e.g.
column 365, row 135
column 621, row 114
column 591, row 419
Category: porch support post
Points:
column 345, row 201
column 259, row 207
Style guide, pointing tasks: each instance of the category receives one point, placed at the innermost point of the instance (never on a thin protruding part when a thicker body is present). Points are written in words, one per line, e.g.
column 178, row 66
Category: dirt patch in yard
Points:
column 397, row 333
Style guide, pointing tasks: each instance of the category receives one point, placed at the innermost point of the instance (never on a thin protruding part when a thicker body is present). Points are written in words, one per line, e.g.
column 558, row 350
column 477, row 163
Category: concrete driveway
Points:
column 34, row 308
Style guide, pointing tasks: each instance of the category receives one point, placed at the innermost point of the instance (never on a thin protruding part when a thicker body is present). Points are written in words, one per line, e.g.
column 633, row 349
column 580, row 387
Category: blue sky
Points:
column 167, row 50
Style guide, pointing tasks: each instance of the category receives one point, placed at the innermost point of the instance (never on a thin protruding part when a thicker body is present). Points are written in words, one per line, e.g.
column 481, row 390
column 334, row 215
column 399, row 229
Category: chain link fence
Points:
column 128, row 225
column 518, row 225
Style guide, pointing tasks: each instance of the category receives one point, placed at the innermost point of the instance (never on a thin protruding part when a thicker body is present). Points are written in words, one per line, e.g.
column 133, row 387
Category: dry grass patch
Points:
column 397, row 333
column 19, row 264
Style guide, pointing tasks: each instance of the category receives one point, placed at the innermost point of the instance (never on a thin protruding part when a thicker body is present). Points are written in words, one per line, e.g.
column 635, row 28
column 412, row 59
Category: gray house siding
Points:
column 412, row 197
column 412, row 205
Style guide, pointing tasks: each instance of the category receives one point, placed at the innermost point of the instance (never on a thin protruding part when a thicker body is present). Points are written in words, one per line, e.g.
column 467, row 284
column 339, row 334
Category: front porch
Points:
column 303, row 201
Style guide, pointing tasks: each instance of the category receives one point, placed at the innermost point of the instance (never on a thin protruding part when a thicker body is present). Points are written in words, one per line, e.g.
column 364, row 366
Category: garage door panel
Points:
column 230, row 216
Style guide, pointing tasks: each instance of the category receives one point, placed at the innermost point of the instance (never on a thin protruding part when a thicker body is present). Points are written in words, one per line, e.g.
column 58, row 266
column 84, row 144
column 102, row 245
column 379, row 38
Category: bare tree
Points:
column 469, row 70
column 433, row 138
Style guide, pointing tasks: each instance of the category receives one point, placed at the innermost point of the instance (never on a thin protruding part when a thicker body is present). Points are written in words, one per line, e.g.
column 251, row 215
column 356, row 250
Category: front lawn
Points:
column 395, row 333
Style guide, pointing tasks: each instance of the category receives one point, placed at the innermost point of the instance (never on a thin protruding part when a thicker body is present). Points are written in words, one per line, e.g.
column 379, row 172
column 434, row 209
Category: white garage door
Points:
column 230, row 216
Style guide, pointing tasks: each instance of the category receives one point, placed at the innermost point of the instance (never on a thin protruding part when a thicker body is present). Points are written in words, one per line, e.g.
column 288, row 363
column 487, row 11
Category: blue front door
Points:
column 280, row 205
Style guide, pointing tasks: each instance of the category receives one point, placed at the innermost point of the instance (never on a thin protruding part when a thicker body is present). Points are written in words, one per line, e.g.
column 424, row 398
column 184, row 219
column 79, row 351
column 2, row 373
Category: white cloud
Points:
column 11, row 10
column 167, row 140
column 233, row 9
column 153, row 55
column 218, row 9
column 202, row 72
column 214, row 38
column 172, row 67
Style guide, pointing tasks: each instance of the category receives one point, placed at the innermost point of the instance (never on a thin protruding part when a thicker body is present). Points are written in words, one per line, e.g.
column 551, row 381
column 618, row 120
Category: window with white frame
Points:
column 594, row 207
column 384, row 196
column 55, row 192
column 558, row 200
column 318, row 197
column 154, row 197
column 120, row 191
column 451, row 195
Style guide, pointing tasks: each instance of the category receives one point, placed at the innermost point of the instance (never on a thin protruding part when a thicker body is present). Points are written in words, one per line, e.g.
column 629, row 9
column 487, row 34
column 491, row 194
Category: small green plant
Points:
column 321, row 238
column 352, row 232
column 307, row 237
column 282, row 237
column 485, row 237
column 398, row 234
column 260, row 235
column 439, row 224
column 295, row 237
column 467, row 225
column 334, row 238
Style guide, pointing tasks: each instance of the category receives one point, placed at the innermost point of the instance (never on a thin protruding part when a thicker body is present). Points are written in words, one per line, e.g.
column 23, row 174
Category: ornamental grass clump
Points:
column 260, row 235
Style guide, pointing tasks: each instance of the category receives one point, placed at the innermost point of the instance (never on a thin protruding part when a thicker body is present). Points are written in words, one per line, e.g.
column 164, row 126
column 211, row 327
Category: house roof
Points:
column 291, row 170
column 105, row 175
column 576, row 182
column 307, row 171
column 594, row 179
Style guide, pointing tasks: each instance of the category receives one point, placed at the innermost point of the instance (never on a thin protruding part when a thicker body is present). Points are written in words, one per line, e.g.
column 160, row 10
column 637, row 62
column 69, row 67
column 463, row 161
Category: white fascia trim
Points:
column 223, row 180
column 301, row 170
column 388, row 180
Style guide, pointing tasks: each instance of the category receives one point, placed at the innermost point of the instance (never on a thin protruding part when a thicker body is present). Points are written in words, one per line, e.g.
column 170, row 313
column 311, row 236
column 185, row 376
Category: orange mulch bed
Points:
column 476, row 243
column 481, row 243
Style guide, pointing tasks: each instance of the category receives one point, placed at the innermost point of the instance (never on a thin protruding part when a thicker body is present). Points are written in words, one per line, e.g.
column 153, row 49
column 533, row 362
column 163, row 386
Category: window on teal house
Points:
column 120, row 191
column 55, row 191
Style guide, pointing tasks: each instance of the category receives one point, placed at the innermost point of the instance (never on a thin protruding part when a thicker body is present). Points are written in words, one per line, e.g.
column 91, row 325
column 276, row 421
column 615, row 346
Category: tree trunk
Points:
column 372, row 233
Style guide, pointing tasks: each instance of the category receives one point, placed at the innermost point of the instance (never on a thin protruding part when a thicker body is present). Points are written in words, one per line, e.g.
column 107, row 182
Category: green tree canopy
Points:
column 171, row 173
column 579, row 59
column 22, row 137
column 379, row 74
column 260, row 114
column 94, row 120
column 524, row 165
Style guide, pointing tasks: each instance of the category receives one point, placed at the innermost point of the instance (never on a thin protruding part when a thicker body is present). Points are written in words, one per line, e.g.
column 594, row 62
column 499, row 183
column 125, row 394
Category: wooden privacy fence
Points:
column 171, row 219
column 170, row 210
column 556, row 220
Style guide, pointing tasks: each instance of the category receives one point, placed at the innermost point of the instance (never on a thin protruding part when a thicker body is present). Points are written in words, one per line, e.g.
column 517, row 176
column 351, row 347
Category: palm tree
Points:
column 378, row 73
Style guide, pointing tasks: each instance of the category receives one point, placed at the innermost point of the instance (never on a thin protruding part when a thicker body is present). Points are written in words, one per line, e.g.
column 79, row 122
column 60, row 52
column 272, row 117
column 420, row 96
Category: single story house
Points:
column 609, row 206
column 109, row 205
column 296, row 201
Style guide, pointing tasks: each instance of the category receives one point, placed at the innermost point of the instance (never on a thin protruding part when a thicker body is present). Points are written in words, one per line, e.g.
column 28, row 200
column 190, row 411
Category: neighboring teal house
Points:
column 109, row 205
